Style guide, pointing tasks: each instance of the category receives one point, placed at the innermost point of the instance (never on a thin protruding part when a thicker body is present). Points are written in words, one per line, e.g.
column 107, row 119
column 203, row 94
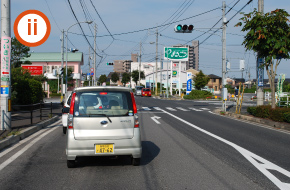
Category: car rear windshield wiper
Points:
column 101, row 115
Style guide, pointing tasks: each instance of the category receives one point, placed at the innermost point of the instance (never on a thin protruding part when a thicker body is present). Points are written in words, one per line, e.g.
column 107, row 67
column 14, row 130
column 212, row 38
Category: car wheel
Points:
column 64, row 130
column 136, row 161
column 71, row 163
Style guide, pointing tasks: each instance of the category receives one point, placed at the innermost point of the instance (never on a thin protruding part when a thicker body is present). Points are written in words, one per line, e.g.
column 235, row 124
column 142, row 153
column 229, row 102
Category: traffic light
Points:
column 183, row 28
column 169, row 76
column 60, row 71
column 110, row 63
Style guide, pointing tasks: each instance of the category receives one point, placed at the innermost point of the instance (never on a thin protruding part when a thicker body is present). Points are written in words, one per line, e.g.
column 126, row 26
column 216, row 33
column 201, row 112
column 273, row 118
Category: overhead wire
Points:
column 154, row 27
column 82, row 29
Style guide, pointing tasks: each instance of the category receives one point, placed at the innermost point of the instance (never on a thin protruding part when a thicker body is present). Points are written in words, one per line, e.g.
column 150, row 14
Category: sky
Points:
column 123, row 24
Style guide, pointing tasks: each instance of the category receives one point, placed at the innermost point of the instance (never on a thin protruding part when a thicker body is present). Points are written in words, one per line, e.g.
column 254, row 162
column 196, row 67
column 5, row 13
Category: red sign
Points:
column 34, row 70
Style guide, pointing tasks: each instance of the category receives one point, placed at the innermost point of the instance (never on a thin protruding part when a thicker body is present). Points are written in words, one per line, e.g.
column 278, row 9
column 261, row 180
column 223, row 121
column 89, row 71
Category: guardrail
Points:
column 28, row 114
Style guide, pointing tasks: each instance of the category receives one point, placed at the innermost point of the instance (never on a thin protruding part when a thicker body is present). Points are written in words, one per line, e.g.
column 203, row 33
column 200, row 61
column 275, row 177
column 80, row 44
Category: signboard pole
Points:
column 171, row 78
column 179, row 80
column 5, row 64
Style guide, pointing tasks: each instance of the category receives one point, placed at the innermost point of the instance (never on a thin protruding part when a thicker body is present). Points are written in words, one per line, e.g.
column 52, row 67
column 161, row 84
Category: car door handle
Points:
column 104, row 122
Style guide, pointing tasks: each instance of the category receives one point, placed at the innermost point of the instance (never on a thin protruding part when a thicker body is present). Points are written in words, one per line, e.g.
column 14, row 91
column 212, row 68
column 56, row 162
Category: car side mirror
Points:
column 65, row 110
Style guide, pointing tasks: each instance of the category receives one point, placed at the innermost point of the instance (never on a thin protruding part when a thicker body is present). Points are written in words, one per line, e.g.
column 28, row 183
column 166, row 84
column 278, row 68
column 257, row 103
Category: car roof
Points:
column 103, row 88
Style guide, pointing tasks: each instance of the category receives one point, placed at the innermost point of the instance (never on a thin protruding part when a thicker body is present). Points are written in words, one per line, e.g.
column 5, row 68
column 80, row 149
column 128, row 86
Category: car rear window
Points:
column 146, row 89
column 139, row 87
column 97, row 103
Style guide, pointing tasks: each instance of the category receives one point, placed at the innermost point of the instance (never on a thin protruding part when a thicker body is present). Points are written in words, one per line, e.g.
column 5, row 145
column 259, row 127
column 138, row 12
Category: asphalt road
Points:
column 185, row 146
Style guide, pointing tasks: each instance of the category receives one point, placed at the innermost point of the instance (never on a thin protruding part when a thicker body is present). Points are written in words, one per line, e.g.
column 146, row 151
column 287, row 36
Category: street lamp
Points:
column 88, row 22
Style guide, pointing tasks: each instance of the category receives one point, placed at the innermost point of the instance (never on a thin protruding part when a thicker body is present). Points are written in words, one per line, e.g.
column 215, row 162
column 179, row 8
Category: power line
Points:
column 154, row 27
column 82, row 29
column 101, row 19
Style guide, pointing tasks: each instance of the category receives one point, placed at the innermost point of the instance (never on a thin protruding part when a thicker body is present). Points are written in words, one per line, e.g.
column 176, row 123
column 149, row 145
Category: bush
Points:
column 287, row 117
column 277, row 114
column 198, row 94
column 263, row 111
column 252, row 110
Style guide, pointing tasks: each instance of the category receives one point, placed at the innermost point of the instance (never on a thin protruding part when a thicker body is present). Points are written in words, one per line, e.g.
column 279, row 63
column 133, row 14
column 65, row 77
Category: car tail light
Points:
column 103, row 93
column 136, row 118
column 71, row 112
column 100, row 107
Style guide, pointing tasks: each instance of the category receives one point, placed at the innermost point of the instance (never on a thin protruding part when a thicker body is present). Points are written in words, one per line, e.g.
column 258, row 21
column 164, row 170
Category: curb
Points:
column 274, row 124
column 26, row 132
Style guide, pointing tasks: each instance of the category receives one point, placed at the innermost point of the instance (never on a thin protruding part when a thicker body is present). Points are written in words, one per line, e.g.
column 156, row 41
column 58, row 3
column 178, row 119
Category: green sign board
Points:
column 174, row 73
column 176, row 53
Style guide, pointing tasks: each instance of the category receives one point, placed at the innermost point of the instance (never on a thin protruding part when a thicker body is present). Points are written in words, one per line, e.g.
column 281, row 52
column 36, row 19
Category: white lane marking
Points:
column 16, row 155
column 20, row 143
column 263, row 166
column 204, row 108
column 15, row 114
column 154, row 118
column 171, row 109
column 180, row 108
column 146, row 108
column 194, row 109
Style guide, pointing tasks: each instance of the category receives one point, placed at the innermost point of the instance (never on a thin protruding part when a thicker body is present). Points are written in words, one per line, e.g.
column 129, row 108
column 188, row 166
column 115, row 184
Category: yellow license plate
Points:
column 104, row 148
column 145, row 94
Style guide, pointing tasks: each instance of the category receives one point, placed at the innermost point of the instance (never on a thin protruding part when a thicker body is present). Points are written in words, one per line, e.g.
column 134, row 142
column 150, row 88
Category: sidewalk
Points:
column 21, row 120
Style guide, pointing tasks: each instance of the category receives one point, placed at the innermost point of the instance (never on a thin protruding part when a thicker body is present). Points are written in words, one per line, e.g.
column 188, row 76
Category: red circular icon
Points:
column 32, row 28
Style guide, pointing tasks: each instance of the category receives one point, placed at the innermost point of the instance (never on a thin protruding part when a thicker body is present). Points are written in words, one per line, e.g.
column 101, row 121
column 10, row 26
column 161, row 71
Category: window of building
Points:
column 184, row 85
column 173, row 85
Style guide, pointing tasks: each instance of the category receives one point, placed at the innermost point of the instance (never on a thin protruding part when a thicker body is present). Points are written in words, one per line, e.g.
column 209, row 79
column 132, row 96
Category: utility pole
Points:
column 139, row 67
column 95, row 47
column 224, row 90
column 62, row 59
column 5, row 79
column 156, row 61
column 260, row 70
column 89, row 64
column 161, row 65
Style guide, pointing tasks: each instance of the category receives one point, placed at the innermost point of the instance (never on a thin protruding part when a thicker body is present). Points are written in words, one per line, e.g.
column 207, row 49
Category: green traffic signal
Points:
column 178, row 27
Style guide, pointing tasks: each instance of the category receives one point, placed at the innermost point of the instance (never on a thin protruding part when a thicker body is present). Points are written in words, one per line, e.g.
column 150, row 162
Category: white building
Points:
column 163, row 72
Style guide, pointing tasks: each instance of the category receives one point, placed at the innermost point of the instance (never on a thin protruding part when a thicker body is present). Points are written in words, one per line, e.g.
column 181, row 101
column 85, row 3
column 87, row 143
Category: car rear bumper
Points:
column 64, row 120
column 130, row 147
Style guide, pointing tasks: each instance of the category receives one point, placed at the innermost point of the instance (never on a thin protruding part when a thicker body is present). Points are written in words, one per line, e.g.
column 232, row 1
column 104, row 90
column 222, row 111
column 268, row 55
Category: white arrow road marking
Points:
column 204, row 108
column 154, row 118
column 264, row 166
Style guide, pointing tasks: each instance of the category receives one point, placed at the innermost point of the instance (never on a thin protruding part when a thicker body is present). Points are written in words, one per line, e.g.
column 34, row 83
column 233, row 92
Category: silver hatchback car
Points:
column 103, row 121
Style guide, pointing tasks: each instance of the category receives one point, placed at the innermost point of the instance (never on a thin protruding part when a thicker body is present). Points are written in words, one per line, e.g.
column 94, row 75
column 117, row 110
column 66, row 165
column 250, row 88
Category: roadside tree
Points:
column 135, row 76
column 126, row 78
column 115, row 77
column 269, row 36
column 200, row 80
column 102, row 79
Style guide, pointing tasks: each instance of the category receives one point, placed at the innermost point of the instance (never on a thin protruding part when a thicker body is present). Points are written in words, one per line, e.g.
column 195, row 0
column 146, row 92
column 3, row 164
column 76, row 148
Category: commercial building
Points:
column 47, row 62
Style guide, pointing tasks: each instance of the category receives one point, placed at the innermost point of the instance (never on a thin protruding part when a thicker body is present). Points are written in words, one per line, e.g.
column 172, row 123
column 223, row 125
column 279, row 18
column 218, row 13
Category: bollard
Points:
column 31, row 115
column 40, row 112
column 51, row 109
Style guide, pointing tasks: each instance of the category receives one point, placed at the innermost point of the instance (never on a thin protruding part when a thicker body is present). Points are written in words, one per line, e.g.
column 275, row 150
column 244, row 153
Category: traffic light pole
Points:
column 156, row 61
column 260, row 70
column 224, row 91
column 62, row 58
column 139, row 68
column 95, row 45
column 5, row 61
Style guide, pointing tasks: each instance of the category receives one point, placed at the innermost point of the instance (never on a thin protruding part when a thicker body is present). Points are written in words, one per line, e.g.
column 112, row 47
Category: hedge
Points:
column 277, row 114
column 198, row 94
